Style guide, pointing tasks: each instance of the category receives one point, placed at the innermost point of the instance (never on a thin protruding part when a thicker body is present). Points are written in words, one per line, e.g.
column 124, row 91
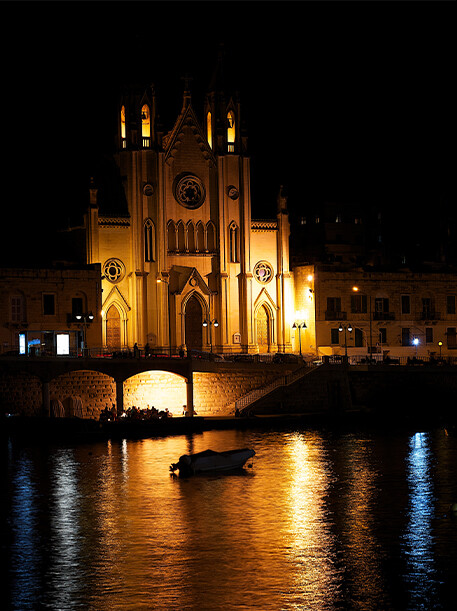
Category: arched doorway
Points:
column 194, row 329
column 263, row 329
column 113, row 328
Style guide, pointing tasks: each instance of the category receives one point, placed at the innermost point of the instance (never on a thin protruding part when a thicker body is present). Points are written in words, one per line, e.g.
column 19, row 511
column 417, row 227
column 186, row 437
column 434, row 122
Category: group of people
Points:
column 109, row 414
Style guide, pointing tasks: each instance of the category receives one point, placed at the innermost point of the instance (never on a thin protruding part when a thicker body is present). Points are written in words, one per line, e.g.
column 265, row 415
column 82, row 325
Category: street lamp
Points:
column 210, row 323
column 345, row 328
column 440, row 344
column 85, row 319
column 416, row 343
column 299, row 326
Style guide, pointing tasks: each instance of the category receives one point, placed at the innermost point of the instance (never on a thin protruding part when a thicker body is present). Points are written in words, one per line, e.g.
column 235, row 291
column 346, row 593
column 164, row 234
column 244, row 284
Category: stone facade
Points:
column 395, row 314
column 41, row 306
column 179, row 247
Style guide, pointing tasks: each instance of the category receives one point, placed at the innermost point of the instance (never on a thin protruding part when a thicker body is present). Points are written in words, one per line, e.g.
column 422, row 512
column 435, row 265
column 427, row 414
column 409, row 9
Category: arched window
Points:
column 171, row 234
column 209, row 130
column 146, row 126
column 123, row 130
column 181, row 236
column 201, row 242
column 210, row 236
column 234, row 242
column 231, row 131
column 190, row 237
column 149, row 240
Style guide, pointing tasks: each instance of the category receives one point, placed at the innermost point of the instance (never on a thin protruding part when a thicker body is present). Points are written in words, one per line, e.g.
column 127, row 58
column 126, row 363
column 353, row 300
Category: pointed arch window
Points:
column 181, row 236
column 201, row 247
column 209, row 130
column 149, row 241
column 123, row 129
column 231, row 131
column 210, row 236
column 234, row 237
column 146, row 126
column 190, row 237
column 171, row 235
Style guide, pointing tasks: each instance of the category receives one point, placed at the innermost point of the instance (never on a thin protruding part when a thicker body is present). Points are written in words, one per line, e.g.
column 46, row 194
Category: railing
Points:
column 254, row 395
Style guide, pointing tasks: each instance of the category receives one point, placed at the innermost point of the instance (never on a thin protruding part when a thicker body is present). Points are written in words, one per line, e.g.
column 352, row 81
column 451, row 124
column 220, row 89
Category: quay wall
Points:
column 384, row 390
column 86, row 393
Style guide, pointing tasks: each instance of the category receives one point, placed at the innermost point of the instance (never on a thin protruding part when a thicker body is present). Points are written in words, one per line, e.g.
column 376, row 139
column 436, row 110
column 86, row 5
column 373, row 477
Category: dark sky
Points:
column 350, row 101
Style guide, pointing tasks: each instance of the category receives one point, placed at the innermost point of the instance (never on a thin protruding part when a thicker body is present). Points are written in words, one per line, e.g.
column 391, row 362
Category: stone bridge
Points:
column 49, row 368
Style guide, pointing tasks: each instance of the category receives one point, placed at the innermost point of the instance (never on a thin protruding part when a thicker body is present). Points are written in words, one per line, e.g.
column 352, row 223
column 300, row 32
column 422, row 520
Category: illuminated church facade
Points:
column 184, row 266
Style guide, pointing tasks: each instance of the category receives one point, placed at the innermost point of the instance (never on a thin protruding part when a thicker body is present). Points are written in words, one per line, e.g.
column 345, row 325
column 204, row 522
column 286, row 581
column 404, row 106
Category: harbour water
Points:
column 321, row 520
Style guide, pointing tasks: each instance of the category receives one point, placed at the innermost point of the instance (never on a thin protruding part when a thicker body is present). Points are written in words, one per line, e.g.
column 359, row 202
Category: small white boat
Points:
column 207, row 461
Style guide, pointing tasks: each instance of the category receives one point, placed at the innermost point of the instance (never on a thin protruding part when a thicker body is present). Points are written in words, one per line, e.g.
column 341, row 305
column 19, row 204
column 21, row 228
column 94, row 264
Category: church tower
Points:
column 183, row 264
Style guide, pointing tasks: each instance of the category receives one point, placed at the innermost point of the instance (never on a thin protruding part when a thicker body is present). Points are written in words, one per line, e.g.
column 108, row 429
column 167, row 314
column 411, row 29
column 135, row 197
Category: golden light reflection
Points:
column 123, row 123
column 308, row 536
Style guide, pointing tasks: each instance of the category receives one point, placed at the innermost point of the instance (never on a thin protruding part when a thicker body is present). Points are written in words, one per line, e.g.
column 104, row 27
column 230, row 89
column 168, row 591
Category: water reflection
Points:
column 317, row 524
column 418, row 537
column 307, row 528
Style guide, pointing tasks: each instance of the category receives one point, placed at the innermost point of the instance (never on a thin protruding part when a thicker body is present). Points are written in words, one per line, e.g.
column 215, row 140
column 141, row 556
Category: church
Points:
column 184, row 266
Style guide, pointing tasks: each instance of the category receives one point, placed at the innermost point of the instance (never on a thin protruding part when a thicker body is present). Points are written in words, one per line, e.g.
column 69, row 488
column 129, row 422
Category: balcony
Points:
column 428, row 314
column 383, row 315
column 334, row 315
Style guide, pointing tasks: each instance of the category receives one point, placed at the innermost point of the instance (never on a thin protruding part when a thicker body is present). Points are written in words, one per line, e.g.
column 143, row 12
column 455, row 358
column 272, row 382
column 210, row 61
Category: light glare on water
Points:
column 322, row 521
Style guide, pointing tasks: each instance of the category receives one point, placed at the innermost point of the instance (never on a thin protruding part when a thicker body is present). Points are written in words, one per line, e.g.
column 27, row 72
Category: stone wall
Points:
column 93, row 391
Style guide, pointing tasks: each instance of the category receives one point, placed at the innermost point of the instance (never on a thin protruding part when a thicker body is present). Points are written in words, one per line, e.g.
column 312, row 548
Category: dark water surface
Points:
column 322, row 521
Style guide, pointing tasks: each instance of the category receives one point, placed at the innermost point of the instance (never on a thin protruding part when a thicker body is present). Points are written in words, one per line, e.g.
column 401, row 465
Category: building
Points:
column 363, row 312
column 184, row 266
column 48, row 311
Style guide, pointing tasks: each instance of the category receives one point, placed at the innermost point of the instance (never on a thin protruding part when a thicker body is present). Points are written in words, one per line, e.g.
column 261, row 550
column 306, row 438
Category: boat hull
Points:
column 210, row 461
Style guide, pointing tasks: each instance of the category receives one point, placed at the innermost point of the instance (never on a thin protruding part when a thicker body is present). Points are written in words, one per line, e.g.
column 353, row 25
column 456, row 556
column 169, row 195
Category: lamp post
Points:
column 210, row 323
column 85, row 319
column 345, row 328
column 299, row 326
column 440, row 344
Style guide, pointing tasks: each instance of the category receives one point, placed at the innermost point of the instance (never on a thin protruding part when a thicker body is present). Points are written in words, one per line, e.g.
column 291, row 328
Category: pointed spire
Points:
column 282, row 201
column 186, row 95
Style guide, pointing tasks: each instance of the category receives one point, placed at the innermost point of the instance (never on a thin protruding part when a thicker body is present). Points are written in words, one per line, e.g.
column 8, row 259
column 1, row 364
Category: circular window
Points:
column 114, row 270
column 263, row 272
column 189, row 191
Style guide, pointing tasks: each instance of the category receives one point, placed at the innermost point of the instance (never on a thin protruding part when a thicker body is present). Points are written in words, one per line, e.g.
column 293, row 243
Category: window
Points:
column 451, row 337
column 382, row 335
column 146, row 126
column 210, row 236
column 233, row 242
column 200, row 237
column 450, row 304
column 123, row 131
column 171, row 235
column 49, row 305
column 427, row 307
column 334, row 336
column 76, row 306
column 149, row 241
column 405, row 304
column 333, row 304
column 209, row 130
column 429, row 335
column 358, row 337
column 16, row 309
column 405, row 336
column 381, row 305
column 359, row 304
column 181, row 236
column 231, row 131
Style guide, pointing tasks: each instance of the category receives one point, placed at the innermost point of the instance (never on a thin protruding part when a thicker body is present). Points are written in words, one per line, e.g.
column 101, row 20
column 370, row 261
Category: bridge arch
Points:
column 163, row 390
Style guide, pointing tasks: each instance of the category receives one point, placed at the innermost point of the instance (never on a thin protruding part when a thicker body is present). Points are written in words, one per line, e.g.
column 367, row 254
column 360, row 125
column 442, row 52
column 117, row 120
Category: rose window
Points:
column 263, row 272
column 189, row 191
column 114, row 270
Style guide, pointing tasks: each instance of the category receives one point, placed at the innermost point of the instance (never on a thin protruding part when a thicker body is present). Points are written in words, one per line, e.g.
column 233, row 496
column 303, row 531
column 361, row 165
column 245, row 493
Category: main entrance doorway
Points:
column 113, row 328
column 263, row 329
column 194, row 329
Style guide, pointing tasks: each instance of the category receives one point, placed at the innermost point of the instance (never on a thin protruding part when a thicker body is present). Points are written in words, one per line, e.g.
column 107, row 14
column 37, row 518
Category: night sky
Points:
column 342, row 101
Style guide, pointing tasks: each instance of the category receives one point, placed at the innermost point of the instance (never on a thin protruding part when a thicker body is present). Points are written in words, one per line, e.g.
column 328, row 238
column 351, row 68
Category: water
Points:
column 322, row 521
